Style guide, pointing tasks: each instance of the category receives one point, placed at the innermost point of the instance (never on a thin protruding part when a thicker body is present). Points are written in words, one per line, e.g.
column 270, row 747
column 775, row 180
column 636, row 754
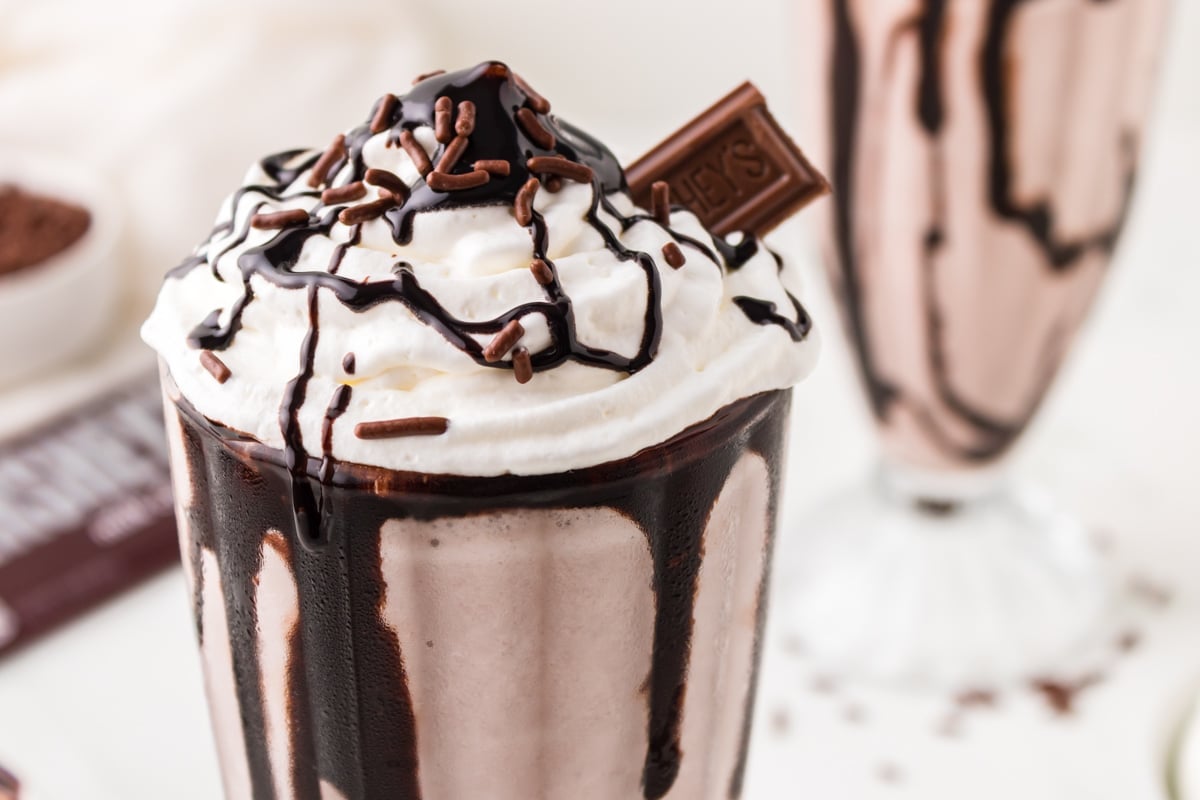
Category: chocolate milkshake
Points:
column 984, row 155
column 476, row 463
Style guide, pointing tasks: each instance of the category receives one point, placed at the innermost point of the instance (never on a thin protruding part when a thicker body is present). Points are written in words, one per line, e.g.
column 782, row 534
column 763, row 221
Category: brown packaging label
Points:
column 85, row 510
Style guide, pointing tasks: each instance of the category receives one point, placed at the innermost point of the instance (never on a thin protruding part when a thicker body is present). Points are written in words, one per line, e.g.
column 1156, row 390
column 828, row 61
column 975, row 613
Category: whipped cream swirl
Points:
column 462, row 285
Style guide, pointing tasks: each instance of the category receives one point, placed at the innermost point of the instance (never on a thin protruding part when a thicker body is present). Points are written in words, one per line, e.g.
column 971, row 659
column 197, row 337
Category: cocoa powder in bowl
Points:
column 34, row 228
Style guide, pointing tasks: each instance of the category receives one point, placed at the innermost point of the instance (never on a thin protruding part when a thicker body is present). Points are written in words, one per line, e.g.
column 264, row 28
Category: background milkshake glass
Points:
column 476, row 488
column 983, row 156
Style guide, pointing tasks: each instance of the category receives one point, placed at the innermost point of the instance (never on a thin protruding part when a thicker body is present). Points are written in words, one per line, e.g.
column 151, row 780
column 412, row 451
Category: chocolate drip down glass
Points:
column 983, row 157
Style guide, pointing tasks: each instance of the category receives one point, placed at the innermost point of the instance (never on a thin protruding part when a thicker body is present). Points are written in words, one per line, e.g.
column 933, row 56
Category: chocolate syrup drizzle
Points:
column 352, row 718
column 992, row 436
column 363, row 732
column 497, row 96
column 1038, row 216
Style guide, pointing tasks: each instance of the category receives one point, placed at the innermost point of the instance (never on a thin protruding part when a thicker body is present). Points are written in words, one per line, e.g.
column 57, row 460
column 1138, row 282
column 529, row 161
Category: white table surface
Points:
column 111, row 706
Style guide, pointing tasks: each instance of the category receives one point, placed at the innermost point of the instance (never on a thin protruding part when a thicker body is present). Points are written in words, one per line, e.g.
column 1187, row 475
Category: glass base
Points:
column 884, row 584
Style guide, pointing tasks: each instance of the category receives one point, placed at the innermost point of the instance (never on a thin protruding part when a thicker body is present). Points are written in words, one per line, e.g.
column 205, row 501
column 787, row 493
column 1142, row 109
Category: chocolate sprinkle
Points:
column 494, row 166
column 278, row 220
column 1062, row 695
column 936, row 507
column 554, row 184
column 503, row 341
column 424, row 76
column 443, row 182
column 1128, row 641
column 535, row 130
column 660, row 202
column 388, row 180
column 344, row 194
column 383, row 114
column 793, row 646
column 1150, row 591
column 416, row 152
column 406, row 426
column 538, row 103
column 541, row 271
column 334, row 153
column 950, row 726
column 366, row 211
column 781, row 721
column 522, row 365
column 557, row 165
column 673, row 255
column 824, row 684
column 465, row 124
column 523, row 205
column 452, row 154
column 443, row 111
column 976, row 698
column 854, row 714
column 215, row 366
column 889, row 773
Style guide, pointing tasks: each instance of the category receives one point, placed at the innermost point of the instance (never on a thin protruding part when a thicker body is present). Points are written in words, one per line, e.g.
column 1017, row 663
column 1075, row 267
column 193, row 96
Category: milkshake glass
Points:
column 476, row 480
column 983, row 157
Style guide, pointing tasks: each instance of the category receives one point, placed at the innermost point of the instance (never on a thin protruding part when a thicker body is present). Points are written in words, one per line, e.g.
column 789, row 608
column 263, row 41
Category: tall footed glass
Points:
column 983, row 157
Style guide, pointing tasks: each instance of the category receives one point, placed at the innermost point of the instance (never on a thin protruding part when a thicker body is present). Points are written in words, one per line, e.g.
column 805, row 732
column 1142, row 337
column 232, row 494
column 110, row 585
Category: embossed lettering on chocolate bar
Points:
column 730, row 169
column 732, row 166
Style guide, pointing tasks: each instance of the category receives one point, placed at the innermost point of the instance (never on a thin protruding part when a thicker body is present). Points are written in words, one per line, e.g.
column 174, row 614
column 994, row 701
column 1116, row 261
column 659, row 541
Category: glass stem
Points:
column 940, row 493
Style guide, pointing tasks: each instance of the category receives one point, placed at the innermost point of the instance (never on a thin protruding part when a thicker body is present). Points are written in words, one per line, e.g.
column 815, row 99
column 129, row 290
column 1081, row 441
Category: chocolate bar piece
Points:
column 85, row 511
column 732, row 166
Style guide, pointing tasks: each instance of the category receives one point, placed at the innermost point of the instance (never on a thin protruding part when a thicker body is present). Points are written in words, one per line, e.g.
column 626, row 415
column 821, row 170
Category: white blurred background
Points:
column 173, row 101
column 170, row 102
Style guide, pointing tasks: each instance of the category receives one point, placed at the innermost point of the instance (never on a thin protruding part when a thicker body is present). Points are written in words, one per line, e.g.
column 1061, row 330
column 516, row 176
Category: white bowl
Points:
column 60, row 309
